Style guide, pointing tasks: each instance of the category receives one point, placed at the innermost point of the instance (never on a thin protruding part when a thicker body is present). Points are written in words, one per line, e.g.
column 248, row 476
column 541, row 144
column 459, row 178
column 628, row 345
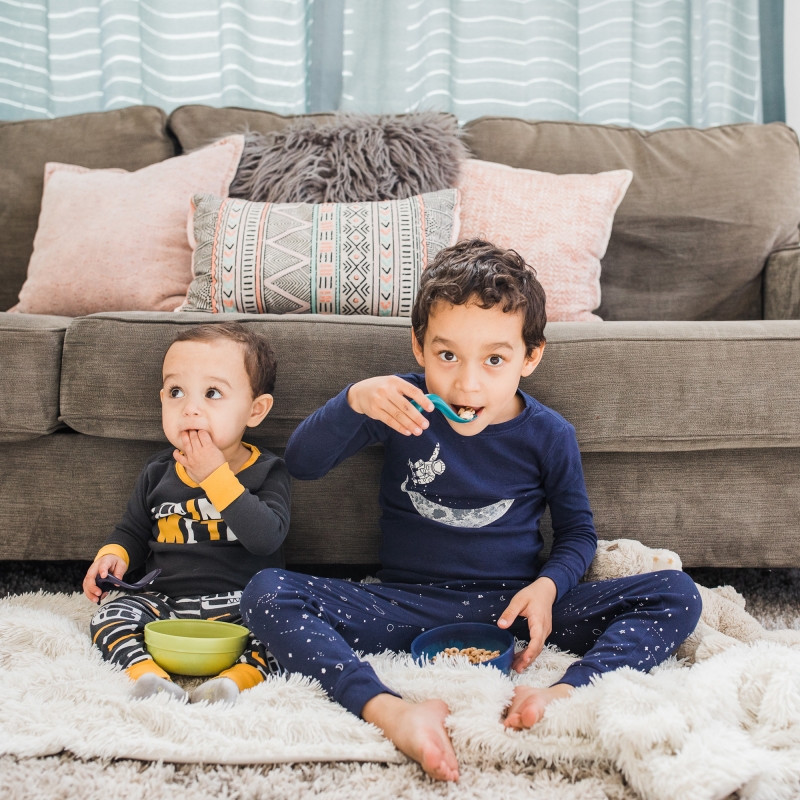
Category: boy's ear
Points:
column 161, row 396
column 416, row 348
column 532, row 361
column 262, row 405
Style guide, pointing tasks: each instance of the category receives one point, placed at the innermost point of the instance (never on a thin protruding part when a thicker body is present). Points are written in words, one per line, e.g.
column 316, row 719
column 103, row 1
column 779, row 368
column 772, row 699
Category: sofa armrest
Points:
column 782, row 284
column 30, row 372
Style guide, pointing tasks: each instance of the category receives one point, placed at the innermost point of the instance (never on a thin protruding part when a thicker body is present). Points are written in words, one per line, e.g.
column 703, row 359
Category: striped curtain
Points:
column 61, row 57
column 648, row 63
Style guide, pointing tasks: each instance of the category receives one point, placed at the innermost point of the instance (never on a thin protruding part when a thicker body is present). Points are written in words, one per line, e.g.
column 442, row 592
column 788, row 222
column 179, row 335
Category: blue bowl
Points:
column 466, row 634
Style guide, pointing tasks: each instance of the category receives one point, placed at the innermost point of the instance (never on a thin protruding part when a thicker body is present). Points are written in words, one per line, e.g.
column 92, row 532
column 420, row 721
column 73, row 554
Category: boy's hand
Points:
column 200, row 455
column 385, row 398
column 535, row 603
column 102, row 567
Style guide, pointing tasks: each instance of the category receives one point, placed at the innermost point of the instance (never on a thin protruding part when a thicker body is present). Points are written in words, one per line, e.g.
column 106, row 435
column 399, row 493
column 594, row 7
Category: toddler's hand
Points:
column 200, row 455
column 385, row 398
column 103, row 566
column 534, row 602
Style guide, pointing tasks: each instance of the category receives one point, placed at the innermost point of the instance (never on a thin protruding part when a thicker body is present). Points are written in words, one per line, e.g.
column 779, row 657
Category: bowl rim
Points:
column 503, row 633
column 235, row 637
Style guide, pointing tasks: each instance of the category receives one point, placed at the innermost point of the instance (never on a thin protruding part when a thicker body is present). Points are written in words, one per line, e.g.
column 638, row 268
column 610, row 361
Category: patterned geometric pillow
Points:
column 331, row 258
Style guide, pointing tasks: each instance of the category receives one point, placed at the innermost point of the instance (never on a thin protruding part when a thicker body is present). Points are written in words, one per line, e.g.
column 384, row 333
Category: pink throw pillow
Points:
column 560, row 225
column 112, row 240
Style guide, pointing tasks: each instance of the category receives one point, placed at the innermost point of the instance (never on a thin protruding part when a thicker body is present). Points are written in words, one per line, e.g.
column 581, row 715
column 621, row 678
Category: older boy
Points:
column 210, row 513
column 461, row 509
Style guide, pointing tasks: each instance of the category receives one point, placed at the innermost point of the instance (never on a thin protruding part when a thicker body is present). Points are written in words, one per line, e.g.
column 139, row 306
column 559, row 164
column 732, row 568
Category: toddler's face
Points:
column 473, row 358
column 206, row 387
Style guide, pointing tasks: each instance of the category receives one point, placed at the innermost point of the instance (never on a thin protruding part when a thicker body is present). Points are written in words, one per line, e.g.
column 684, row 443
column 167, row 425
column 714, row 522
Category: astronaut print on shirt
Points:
column 191, row 522
column 424, row 473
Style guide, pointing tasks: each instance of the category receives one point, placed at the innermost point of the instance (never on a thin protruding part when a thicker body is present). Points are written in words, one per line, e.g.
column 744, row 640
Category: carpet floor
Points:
column 773, row 597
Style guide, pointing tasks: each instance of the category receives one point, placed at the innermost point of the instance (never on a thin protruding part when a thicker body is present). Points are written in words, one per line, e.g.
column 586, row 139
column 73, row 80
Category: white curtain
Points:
column 62, row 57
column 648, row 63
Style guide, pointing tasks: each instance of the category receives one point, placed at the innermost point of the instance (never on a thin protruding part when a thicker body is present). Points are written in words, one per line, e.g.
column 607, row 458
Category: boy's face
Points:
column 473, row 358
column 206, row 387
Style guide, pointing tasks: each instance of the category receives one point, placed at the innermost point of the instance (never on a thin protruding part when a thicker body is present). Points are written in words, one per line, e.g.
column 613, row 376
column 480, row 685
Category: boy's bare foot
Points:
column 528, row 704
column 416, row 729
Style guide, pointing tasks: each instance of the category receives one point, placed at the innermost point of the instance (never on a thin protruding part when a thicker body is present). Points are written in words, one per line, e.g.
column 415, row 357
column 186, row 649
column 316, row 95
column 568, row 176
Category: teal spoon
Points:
column 443, row 407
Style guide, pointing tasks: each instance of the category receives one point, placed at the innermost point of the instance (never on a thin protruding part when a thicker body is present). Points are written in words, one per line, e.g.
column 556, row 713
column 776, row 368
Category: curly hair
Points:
column 259, row 359
column 477, row 271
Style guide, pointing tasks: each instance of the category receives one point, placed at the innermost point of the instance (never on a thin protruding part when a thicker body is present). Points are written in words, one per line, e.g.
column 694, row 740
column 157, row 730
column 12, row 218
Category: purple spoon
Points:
column 109, row 583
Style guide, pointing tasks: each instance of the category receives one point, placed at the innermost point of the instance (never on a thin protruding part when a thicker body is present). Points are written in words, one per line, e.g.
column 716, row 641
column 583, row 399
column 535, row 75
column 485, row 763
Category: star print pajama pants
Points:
column 313, row 625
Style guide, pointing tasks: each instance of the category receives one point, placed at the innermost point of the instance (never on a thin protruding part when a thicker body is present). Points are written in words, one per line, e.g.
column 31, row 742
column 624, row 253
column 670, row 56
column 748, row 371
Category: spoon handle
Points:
column 441, row 406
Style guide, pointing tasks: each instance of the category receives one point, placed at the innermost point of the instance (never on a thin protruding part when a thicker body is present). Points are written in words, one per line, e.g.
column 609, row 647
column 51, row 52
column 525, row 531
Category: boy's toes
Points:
column 439, row 762
column 218, row 690
column 151, row 684
column 531, row 713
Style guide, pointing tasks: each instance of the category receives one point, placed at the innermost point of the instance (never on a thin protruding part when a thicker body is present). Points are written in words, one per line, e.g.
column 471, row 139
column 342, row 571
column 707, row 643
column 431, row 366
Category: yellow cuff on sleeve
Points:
column 114, row 550
column 222, row 487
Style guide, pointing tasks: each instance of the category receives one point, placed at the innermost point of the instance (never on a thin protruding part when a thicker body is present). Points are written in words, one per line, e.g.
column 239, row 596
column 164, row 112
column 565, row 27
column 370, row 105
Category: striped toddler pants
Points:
column 117, row 629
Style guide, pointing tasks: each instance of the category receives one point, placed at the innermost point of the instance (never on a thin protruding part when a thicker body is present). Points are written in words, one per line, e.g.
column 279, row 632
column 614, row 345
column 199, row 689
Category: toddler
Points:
column 210, row 512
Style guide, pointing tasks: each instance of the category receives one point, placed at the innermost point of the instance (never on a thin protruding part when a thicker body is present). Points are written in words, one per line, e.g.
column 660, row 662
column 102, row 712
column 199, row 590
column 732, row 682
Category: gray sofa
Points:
column 686, row 400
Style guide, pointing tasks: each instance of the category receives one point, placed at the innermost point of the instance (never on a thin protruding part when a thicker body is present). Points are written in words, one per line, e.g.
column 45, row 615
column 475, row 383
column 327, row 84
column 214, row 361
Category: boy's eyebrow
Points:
column 493, row 346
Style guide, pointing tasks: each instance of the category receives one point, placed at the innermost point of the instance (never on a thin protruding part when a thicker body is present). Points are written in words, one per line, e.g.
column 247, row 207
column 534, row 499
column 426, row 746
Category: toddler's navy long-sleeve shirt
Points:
column 464, row 507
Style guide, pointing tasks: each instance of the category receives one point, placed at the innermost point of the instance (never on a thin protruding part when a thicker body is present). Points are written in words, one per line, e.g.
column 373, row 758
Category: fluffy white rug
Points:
column 730, row 723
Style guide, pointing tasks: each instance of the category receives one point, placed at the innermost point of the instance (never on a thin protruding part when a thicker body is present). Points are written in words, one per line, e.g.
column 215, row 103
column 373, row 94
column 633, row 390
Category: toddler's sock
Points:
column 225, row 688
column 245, row 676
column 150, row 679
column 217, row 690
column 150, row 684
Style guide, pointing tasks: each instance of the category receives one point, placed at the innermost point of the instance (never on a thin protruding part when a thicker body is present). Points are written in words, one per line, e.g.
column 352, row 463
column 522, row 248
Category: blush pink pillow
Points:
column 560, row 225
column 112, row 240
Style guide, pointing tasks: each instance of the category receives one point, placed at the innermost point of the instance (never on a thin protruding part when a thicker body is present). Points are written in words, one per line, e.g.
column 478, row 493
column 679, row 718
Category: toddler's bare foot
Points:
column 528, row 704
column 416, row 729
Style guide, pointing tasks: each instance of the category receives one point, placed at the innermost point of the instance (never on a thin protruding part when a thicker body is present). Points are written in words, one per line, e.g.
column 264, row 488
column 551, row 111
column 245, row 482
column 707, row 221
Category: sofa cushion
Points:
column 129, row 138
column 113, row 240
column 326, row 258
column 356, row 158
column 560, row 225
column 648, row 386
column 59, row 503
column 782, row 284
column 699, row 220
column 196, row 126
column 30, row 367
column 112, row 368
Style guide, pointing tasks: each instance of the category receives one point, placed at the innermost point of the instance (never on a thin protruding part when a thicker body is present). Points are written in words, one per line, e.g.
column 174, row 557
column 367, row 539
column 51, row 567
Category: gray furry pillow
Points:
column 355, row 158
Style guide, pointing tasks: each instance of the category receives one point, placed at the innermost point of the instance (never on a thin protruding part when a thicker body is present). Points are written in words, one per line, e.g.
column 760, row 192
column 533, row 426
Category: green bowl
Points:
column 194, row 646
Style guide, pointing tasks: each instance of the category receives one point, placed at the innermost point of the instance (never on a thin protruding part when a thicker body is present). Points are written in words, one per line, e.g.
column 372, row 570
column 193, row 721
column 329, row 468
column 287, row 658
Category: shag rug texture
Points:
column 730, row 724
column 355, row 158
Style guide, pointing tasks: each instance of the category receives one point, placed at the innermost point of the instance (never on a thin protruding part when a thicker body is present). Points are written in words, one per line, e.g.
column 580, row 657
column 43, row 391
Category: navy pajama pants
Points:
column 313, row 625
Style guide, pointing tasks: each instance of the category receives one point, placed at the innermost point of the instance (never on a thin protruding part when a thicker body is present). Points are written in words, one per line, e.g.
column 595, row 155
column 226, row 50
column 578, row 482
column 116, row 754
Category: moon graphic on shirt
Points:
column 457, row 517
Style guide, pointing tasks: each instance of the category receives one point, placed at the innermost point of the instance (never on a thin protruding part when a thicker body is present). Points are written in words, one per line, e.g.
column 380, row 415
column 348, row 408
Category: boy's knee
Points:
column 263, row 587
column 683, row 590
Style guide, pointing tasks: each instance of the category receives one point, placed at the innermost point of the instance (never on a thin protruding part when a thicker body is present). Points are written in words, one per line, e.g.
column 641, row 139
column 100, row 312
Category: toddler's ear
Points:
column 262, row 405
